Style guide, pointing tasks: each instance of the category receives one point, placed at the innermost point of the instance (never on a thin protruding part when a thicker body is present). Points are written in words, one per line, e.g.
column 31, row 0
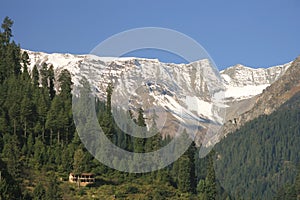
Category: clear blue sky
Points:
column 257, row 33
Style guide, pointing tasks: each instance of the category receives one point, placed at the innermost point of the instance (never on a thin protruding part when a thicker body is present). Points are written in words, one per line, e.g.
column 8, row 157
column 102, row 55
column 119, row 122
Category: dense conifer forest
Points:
column 262, row 158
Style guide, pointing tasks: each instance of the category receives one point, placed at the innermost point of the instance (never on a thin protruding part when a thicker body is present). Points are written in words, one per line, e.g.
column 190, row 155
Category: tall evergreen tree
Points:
column 11, row 153
column 184, row 170
column 65, row 83
column 25, row 60
column 35, row 76
column 79, row 161
column 183, row 173
column 7, row 31
column 9, row 52
column 53, row 191
column 27, row 112
column 210, row 181
column 66, row 115
column 51, row 82
column 53, row 123
column 107, row 119
column 109, row 91
column 9, row 188
column 42, row 101
column 139, row 143
column 44, row 75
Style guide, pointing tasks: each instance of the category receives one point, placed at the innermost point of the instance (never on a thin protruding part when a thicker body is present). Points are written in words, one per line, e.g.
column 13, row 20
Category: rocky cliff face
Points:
column 243, row 82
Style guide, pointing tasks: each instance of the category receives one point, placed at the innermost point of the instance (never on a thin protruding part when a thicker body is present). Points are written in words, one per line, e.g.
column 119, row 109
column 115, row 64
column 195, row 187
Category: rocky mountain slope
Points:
column 271, row 98
column 192, row 95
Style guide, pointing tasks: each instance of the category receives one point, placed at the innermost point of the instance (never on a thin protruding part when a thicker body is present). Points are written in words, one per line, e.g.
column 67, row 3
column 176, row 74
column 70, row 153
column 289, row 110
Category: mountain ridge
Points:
column 240, row 84
column 271, row 98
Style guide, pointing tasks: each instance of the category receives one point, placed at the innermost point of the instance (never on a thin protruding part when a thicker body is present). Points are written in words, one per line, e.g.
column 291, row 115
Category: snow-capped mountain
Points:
column 285, row 86
column 242, row 82
column 193, row 95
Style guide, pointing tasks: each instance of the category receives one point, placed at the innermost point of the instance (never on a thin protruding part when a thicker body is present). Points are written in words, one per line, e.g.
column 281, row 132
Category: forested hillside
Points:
column 261, row 160
column 39, row 145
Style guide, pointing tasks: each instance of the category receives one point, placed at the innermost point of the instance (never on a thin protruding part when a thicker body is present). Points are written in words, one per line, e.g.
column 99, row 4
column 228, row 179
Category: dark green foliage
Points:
column 9, row 53
column 79, row 161
column 51, row 82
column 139, row 143
column 184, row 182
column 59, row 117
column 210, row 180
column 35, row 76
column 11, row 154
column 44, row 75
column 184, row 170
column 207, row 185
column 40, row 156
column 9, row 188
column 287, row 192
column 109, row 91
column 261, row 157
column 290, row 191
column 39, row 192
column 65, row 81
column 25, row 61
column 53, row 191
column 7, row 32
column 297, row 183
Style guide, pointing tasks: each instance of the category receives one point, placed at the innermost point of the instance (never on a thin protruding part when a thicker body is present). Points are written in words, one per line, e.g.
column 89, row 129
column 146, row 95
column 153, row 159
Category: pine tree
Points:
column 51, row 82
column 11, row 152
column 25, row 60
column 53, row 123
column 35, row 76
column 9, row 52
column 40, row 157
column 3, row 120
column 79, row 161
column 53, row 191
column 9, row 188
column 210, row 181
column 191, row 155
column 109, row 91
column 27, row 111
column 7, row 32
column 66, row 115
column 44, row 75
column 183, row 180
column 139, row 143
column 107, row 120
column 13, row 102
column 42, row 102
column 65, row 83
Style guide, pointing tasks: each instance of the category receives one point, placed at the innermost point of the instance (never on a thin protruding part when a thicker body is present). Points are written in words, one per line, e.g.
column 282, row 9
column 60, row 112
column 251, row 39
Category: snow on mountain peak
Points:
column 243, row 82
column 186, row 91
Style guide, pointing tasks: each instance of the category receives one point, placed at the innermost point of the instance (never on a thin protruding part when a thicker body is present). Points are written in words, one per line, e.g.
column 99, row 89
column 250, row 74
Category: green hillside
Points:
column 261, row 158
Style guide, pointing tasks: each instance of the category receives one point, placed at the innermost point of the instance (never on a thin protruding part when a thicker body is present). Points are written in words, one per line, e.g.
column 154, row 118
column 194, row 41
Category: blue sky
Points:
column 256, row 33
